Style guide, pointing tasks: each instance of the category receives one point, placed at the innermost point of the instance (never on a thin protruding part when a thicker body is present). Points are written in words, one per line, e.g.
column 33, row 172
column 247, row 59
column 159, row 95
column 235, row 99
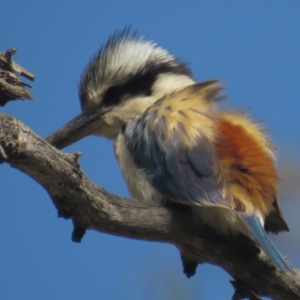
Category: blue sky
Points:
column 254, row 46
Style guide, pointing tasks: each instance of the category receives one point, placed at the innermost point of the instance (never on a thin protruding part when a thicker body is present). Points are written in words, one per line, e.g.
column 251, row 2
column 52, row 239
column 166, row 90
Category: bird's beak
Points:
column 78, row 128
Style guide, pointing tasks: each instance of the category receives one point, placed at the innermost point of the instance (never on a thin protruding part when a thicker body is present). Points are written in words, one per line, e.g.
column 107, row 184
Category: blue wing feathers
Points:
column 172, row 165
column 187, row 175
column 267, row 245
column 202, row 158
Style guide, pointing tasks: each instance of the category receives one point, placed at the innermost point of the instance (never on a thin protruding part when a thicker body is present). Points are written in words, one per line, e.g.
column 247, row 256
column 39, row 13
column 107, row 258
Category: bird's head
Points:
column 123, row 79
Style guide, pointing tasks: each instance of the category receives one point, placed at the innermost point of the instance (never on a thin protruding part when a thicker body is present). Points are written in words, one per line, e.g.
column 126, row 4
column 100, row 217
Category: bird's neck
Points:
column 168, row 83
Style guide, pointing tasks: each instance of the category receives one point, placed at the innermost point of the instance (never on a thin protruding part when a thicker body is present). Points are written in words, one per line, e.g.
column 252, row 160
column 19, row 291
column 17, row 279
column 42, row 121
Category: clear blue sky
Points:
column 253, row 45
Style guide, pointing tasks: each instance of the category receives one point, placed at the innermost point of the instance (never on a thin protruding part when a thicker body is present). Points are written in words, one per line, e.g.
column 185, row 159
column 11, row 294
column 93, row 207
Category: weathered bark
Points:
column 91, row 207
column 11, row 87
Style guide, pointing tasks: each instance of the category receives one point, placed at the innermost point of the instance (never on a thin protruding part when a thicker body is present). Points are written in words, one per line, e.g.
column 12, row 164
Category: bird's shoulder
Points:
column 188, row 113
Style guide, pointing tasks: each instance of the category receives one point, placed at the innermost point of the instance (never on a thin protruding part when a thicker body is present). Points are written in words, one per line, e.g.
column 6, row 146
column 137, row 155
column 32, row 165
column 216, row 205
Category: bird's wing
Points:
column 173, row 142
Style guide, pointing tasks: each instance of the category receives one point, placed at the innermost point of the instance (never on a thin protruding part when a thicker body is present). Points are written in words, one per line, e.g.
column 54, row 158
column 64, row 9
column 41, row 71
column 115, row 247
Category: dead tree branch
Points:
column 11, row 87
column 91, row 207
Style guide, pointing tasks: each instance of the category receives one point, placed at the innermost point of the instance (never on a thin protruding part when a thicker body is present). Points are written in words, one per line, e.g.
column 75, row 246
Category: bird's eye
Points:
column 112, row 96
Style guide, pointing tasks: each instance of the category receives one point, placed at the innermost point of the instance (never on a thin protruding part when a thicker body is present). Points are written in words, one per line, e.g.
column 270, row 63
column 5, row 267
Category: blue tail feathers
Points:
column 267, row 245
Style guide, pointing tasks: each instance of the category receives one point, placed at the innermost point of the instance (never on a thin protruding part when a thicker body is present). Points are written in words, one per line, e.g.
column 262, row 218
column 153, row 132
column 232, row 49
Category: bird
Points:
column 175, row 143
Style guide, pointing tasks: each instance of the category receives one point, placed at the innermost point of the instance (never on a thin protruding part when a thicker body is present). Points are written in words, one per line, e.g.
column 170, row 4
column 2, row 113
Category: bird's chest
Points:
column 138, row 182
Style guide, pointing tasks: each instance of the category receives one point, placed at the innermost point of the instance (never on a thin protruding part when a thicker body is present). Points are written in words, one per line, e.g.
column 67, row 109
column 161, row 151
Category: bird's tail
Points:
column 267, row 245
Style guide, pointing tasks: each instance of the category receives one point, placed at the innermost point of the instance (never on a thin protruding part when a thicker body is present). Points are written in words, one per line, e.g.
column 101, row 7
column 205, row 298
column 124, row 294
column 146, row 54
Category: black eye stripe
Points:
column 112, row 96
column 137, row 85
column 141, row 83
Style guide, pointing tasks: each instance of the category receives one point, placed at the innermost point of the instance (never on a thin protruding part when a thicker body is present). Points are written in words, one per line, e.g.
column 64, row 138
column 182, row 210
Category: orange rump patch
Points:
column 245, row 163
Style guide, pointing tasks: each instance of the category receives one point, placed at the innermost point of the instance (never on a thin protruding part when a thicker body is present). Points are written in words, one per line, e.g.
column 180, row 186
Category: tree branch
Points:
column 11, row 87
column 91, row 207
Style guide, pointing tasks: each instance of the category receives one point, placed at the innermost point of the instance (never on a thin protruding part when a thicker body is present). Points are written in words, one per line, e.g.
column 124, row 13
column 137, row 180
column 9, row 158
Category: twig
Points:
column 7, row 63
column 11, row 87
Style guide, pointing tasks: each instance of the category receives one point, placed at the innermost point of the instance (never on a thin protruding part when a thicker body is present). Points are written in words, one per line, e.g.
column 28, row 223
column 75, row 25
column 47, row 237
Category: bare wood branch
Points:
column 91, row 207
column 9, row 64
column 11, row 87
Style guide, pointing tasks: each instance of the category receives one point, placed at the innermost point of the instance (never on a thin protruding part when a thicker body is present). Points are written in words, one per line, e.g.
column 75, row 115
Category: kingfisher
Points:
column 174, row 143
